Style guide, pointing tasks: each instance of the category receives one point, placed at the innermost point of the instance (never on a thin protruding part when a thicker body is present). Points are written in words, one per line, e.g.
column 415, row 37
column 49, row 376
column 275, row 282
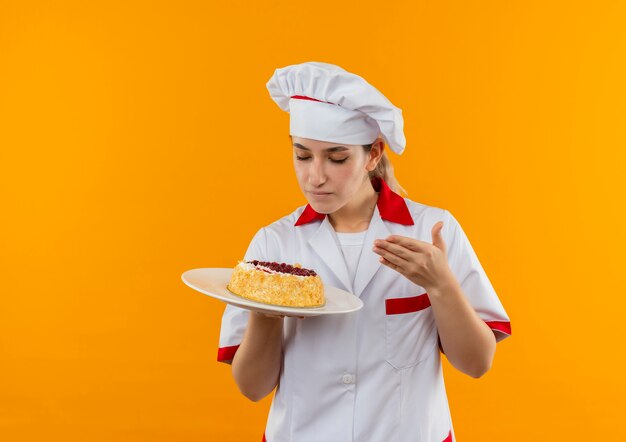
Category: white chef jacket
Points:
column 375, row 374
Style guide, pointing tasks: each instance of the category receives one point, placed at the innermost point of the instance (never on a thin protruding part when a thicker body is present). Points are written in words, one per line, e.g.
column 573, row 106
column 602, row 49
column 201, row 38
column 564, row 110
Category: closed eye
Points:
column 332, row 160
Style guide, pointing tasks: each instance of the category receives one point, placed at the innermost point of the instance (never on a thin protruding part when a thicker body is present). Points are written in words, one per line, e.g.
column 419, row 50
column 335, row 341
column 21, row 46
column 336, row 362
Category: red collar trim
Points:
column 391, row 206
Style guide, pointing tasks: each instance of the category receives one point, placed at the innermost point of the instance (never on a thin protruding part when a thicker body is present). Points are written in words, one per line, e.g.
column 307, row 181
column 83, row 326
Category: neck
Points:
column 356, row 215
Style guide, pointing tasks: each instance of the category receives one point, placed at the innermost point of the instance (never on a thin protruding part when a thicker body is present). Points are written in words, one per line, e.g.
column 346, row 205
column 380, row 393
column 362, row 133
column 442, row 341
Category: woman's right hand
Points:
column 275, row 315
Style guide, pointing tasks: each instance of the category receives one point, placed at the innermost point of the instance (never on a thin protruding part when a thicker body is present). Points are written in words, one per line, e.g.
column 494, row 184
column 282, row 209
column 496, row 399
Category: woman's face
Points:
column 329, row 174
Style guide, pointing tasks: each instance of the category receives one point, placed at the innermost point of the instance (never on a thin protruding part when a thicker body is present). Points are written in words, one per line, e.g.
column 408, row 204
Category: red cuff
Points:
column 500, row 326
column 226, row 354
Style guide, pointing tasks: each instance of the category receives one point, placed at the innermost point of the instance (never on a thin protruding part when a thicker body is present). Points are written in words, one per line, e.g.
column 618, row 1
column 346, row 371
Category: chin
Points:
column 324, row 208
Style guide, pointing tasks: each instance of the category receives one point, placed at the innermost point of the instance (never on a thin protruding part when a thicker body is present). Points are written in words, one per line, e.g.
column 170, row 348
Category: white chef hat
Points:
column 328, row 103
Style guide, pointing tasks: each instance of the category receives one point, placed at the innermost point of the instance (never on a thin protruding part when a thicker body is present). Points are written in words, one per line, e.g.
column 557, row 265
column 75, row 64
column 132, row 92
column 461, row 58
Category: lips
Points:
column 320, row 193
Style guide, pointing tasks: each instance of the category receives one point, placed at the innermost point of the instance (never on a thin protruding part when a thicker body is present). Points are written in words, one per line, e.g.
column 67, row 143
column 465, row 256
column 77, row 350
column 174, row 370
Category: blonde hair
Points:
column 384, row 170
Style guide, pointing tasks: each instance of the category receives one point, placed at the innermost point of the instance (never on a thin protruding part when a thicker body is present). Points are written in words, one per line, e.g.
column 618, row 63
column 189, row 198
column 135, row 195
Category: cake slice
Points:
column 277, row 283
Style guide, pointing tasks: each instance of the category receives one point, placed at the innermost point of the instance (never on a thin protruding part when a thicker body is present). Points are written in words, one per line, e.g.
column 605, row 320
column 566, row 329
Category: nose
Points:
column 317, row 174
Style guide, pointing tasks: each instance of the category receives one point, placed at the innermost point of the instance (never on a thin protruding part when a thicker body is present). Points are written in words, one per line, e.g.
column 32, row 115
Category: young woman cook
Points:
column 373, row 375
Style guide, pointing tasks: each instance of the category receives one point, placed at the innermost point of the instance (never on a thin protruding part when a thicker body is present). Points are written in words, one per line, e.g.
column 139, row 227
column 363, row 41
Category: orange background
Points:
column 138, row 140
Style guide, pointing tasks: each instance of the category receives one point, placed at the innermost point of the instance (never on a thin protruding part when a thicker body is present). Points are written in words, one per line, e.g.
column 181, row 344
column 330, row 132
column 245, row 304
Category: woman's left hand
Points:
column 423, row 263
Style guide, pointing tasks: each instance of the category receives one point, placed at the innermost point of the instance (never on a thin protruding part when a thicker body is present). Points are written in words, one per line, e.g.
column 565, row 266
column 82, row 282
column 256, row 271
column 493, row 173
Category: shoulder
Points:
column 425, row 212
column 426, row 215
column 420, row 209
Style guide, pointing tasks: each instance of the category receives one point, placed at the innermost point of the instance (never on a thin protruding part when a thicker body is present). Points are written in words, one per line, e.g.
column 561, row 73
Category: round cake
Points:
column 277, row 283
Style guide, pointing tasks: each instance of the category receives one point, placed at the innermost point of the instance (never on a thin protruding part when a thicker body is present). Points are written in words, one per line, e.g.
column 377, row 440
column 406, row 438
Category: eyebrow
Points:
column 329, row 149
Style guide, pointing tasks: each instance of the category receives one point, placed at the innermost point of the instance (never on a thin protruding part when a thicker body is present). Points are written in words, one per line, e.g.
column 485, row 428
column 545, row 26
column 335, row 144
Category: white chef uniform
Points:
column 373, row 375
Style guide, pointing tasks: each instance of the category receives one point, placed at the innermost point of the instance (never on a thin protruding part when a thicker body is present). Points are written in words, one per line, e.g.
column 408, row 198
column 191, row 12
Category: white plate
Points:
column 212, row 282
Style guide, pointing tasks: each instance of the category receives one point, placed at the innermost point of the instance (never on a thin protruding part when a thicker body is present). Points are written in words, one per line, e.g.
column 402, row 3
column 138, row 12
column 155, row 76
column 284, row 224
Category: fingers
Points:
column 437, row 238
column 270, row 315
column 396, row 249
column 275, row 315
column 390, row 264
column 388, row 256
column 412, row 244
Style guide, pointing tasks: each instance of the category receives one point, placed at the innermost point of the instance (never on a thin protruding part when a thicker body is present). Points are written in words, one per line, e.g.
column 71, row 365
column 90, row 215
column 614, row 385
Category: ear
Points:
column 376, row 153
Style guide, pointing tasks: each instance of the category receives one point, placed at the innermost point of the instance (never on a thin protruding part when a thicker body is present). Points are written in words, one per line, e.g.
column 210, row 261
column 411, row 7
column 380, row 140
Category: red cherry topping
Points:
column 284, row 268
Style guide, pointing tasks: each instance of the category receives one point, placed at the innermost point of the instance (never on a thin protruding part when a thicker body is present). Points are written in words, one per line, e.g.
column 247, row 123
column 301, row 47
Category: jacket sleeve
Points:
column 473, row 279
column 235, row 319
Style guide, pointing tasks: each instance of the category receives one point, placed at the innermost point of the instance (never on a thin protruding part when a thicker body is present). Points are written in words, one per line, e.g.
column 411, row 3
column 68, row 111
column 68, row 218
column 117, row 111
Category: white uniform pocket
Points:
column 410, row 330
